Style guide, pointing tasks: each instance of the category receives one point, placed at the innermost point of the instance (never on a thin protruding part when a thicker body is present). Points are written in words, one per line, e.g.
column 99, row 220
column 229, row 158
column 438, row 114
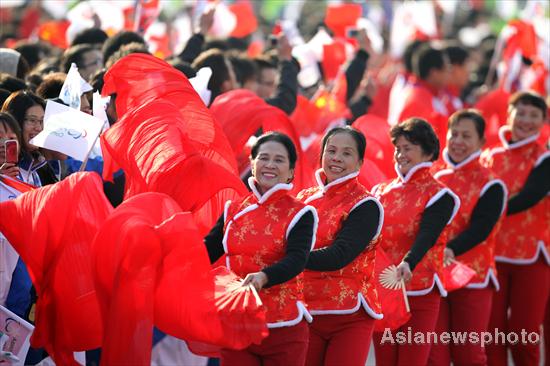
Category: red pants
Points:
column 462, row 311
column 340, row 339
column 524, row 289
column 283, row 346
column 424, row 312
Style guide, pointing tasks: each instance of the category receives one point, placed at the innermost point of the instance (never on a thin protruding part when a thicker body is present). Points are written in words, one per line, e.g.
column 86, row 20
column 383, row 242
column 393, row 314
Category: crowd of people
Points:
column 423, row 159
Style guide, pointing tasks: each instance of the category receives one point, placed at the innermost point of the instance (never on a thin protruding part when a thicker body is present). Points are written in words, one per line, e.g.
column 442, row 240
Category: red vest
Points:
column 469, row 180
column 522, row 236
column 404, row 200
column 345, row 290
column 256, row 229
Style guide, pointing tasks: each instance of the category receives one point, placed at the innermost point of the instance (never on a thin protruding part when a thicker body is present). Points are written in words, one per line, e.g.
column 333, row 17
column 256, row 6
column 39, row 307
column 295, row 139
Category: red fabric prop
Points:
column 341, row 16
column 52, row 228
column 241, row 312
column 16, row 184
column 166, row 140
column 457, row 275
column 392, row 302
column 246, row 19
column 241, row 113
column 152, row 268
column 54, row 32
column 334, row 56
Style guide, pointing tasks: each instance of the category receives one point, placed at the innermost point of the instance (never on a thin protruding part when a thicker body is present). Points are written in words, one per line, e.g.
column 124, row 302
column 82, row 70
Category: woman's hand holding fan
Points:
column 394, row 277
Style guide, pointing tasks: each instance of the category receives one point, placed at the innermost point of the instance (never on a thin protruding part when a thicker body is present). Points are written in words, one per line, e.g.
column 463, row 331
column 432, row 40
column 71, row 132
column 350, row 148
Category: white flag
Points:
column 68, row 130
column 73, row 87
column 200, row 84
column 16, row 334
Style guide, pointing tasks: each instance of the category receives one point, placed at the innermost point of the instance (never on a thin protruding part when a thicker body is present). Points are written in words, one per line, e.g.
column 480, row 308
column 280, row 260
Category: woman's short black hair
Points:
column 529, row 98
column 471, row 114
column 280, row 138
column 418, row 132
column 358, row 137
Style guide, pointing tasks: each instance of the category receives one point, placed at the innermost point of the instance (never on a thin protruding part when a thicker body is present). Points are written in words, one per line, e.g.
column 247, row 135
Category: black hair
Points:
column 358, row 137
column 91, row 36
column 418, row 132
column 4, row 94
column 409, row 53
column 427, row 58
column 457, row 54
column 19, row 102
column 471, row 114
column 11, row 83
column 529, row 98
column 245, row 68
column 113, row 44
column 216, row 60
column 75, row 54
column 7, row 120
column 33, row 52
column 96, row 80
column 125, row 50
column 51, row 85
column 182, row 66
column 280, row 138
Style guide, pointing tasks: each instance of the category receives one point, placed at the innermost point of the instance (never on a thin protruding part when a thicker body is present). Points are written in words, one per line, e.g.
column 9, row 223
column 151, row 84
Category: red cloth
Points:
column 283, row 346
column 524, row 290
column 339, row 339
column 304, row 116
column 457, row 275
column 246, row 19
column 54, row 32
column 334, row 56
column 341, row 16
column 391, row 301
column 52, row 229
column 241, row 113
column 166, row 140
column 424, row 312
column 465, row 310
column 16, row 184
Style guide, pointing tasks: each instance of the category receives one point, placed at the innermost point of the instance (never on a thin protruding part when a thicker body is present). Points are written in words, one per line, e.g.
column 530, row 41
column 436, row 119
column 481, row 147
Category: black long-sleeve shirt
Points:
column 287, row 88
column 355, row 71
column 535, row 189
column 484, row 217
column 292, row 264
column 434, row 219
column 357, row 231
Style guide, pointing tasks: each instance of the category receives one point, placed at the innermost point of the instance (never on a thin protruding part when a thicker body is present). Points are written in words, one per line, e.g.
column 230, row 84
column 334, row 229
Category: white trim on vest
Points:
column 491, row 183
column 263, row 197
column 443, row 172
column 514, row 145
column 540, row 249
column 490, row 276
column 360, row 301
column 298, row 216
column 541, row 158
column 455, row 166
column 335, row 182
column 440, row 194
column 380, row 209
column 226, row 210
column 302, row 314
column 411, row 172
column 436, row 281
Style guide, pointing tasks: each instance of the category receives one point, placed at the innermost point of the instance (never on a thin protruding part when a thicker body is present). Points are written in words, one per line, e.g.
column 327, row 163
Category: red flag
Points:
column 54, row 32
column 52, row 229
column 166, row 140
column 246, row 19
column 392, row 302
column 379, row 147
column 334, row 56
column 16, row 184
column 241, row 113
column 341, row 16
column 457, row 275
column 305, row 116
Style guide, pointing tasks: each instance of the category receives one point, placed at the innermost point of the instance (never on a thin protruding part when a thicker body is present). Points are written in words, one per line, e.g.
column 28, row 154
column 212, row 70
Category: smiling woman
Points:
column 266, row 238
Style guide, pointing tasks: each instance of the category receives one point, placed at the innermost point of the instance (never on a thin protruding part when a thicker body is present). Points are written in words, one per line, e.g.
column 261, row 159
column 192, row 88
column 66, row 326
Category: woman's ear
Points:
column 291, row 178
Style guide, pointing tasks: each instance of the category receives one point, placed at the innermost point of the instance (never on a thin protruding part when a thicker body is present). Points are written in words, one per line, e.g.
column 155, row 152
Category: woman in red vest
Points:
column 266, row 238
column 522, row 248
column 471, row 239
column 416, row 210
column 335, row 282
